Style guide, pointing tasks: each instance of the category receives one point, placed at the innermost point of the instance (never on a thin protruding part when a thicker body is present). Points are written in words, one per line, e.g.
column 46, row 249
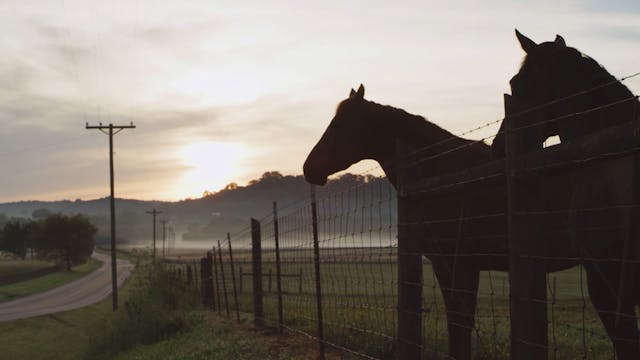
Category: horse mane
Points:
column 600, row 75
column 429, row 140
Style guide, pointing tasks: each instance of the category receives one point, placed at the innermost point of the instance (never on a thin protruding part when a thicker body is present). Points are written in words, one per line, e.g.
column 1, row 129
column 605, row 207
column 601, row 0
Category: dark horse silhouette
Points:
column 560, row 91
column 366, row 130
column 559, row 82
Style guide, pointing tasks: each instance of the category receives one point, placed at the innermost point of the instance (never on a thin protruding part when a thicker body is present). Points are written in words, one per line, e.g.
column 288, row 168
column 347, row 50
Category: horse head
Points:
column 348, row 139
column 555, row 81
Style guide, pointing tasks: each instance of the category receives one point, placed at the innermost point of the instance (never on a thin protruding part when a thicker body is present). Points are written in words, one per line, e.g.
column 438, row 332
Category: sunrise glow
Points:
column 211, row 165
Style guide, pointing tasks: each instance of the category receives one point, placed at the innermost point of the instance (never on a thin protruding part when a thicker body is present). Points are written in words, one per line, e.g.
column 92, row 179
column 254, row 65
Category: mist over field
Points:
column 353, row 202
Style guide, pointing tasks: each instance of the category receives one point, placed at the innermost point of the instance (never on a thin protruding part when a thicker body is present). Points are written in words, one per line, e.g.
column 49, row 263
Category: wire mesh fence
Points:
column 474, row 262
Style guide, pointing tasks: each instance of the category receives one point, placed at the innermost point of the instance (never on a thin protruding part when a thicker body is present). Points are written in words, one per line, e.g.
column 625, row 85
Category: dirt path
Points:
column 76, row 294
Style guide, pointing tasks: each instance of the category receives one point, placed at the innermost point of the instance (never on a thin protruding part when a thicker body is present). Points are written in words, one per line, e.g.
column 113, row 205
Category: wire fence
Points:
column 488, row 261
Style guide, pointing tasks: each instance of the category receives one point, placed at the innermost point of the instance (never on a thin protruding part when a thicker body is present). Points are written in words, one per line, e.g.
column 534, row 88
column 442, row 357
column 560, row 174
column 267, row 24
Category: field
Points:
column 42, row 283
column 359, row 305
column 11, row 267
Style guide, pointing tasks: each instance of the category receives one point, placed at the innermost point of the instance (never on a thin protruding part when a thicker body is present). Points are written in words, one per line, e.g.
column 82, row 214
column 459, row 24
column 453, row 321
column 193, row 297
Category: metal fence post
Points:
column 316, row 263
column 409, row 342
column 527, row 277
column 276, row 236
column 256, row 257
column 233, row 278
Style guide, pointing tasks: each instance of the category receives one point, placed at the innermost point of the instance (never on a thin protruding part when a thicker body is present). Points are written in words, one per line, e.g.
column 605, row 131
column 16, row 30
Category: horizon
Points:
column 220, row 92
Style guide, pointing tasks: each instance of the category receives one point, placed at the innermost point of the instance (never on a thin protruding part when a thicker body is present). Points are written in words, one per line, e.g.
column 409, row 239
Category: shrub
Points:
column 158, row 305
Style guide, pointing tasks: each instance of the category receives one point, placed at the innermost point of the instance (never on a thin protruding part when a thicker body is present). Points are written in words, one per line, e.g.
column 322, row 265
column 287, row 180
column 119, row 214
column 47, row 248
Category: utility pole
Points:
column 164, row 235
column 109, row 130
column 172, row 239
column 154, row 213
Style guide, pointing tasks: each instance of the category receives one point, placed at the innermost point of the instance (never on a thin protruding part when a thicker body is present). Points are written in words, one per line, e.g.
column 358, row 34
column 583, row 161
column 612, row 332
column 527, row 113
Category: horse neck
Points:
column 424, row 139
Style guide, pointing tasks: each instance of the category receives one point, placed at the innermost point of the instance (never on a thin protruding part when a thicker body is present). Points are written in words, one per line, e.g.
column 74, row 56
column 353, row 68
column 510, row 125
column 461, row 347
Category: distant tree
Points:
column 271, row 175
column 40, row 213
column 14, row 237
column 3, row 220
column 231, row 186
column 65, row 239
column 207, row 193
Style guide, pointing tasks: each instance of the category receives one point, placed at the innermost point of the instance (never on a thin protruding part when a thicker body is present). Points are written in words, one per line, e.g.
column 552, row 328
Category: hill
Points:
column 203, row 219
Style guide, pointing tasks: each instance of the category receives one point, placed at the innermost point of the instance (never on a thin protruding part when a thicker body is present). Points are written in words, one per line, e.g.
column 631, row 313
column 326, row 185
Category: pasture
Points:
column 359, row 304
column 11, row 266
column 41, row 283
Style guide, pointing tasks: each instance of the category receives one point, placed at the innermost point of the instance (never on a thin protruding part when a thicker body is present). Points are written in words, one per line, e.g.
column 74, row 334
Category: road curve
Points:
column 79, row 293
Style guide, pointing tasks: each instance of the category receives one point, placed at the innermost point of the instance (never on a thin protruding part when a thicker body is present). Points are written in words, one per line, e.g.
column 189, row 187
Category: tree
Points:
column 40, row 213
column 65, row 239
column 230, row 186
column 14, row 237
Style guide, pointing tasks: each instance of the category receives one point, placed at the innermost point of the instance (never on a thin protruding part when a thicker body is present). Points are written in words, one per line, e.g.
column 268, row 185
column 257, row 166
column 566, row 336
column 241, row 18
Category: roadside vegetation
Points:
column 159, row 317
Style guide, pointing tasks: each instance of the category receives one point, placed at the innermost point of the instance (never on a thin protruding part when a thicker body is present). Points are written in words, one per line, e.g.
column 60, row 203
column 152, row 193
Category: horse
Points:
column 563, row 92
column 560, row 91
column 363, row 129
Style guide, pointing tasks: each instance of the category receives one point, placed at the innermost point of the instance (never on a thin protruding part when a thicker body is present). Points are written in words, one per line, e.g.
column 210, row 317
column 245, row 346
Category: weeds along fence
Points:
column 383, row 274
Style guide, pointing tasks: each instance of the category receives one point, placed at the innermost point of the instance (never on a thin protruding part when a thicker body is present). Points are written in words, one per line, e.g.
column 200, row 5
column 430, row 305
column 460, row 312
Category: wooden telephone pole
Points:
column 109, row 130
column 154, row 213
column 164, row 235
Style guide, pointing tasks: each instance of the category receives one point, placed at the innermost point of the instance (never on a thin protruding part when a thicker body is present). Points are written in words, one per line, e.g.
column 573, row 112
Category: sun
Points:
column 210, row 166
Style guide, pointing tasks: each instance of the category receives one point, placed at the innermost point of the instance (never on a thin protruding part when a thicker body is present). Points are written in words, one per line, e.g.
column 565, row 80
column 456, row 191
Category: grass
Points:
column 359, row 309
column 67, row 335
column 80, row 334
column 216, row 341
column 64, row 335
column 10, row 267
column 46, row 282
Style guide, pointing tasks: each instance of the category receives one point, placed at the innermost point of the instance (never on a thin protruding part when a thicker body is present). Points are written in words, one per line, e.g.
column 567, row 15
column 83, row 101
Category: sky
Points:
column 222, row 91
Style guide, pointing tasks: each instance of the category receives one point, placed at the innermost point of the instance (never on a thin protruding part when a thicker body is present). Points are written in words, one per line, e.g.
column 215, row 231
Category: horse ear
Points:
column 352, row 93
column 526, row 43
column 360, row 92
column 560, row 41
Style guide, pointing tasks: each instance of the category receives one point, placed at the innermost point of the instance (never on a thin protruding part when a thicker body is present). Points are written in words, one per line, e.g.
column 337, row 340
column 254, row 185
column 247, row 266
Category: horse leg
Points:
column 602, row 282
column 460, row 295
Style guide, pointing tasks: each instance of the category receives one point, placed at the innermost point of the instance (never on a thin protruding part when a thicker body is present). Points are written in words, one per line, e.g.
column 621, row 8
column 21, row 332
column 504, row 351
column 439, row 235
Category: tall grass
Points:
column 159, row 306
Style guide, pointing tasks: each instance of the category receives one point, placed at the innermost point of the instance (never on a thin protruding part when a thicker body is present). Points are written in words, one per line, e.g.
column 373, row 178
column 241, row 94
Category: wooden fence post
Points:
column 300, row 282
column 217, row 279
column 189, row 275
column 409, row 342
column 233, row 278
column 208, row 276
column 195, row 275
column 224, row 283
column 316, row 263
column 256, row 257
column 527, row 275
column 203, row 280
column 276, row 236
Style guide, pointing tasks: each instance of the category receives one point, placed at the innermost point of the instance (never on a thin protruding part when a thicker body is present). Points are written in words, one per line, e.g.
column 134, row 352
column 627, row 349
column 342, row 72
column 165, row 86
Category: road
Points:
column 76, row 294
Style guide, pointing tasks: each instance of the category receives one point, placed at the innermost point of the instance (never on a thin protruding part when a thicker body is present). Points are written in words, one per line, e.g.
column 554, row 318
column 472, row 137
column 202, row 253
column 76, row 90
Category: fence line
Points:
column 349, row 276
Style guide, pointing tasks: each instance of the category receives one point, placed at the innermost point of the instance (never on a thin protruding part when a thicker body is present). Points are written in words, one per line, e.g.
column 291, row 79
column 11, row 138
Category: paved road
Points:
column 79, row 293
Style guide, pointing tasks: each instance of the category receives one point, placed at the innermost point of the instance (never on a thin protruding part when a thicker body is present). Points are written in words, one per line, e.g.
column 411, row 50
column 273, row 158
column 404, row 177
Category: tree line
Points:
column 67, row 240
